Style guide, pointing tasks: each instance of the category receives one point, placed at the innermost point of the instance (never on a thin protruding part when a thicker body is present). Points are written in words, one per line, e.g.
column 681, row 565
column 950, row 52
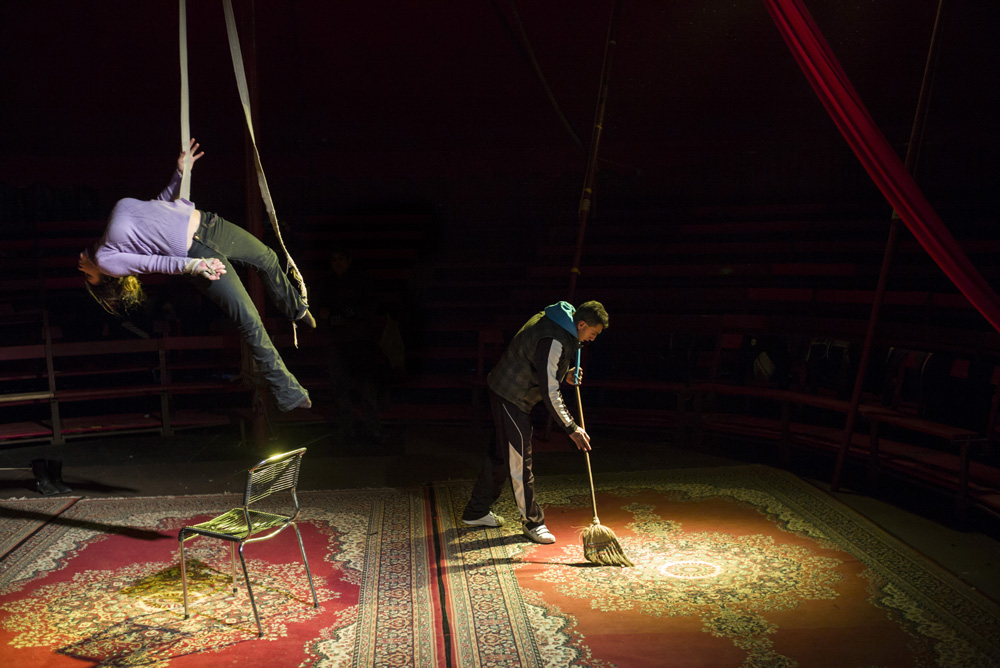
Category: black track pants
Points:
column 508, row 456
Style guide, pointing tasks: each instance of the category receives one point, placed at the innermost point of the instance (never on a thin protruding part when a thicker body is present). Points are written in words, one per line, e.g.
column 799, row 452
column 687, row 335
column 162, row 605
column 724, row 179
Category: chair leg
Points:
column 232, row 558
column 184, row 585
column 302, row 549
column 253, row 603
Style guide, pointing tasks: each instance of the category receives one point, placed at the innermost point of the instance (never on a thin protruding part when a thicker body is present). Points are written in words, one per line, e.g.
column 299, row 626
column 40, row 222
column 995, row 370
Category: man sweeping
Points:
column 538, row 359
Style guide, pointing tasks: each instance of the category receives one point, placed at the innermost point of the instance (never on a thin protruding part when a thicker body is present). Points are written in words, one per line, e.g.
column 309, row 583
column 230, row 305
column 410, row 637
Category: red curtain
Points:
column 830, row 82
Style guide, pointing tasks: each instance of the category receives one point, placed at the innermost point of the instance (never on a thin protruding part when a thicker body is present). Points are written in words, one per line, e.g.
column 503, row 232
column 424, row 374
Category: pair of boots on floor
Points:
column 48, row 477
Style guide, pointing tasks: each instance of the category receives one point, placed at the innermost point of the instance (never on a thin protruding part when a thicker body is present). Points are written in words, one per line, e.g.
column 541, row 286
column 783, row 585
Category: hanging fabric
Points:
column 185, row 106
column 265, row 193
column 844, row 105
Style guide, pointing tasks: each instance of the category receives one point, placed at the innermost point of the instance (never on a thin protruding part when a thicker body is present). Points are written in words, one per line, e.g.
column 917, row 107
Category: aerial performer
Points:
column 168, row 235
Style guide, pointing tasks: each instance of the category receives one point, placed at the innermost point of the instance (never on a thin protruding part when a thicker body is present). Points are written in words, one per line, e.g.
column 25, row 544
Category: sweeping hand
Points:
column 572, row 377
column 581, row 439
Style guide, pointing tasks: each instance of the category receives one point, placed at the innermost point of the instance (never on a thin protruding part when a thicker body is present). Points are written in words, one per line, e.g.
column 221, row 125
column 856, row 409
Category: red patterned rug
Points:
column 744, row 567
column 99, row 586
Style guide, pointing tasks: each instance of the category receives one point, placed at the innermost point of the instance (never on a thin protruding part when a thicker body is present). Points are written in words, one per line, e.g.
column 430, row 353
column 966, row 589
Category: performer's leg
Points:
column 244, row 248
column 229, row 294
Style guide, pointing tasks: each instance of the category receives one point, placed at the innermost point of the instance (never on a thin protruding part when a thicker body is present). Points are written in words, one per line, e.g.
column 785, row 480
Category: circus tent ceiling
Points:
column 444, row 88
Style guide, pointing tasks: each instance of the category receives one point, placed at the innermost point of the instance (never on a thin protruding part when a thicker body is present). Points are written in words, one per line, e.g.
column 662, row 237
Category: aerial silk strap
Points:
column 265, row 193
column 185, row 106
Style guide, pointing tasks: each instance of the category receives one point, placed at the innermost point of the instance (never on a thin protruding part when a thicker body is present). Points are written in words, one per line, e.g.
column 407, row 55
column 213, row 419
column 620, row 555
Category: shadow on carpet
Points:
column 100, row 583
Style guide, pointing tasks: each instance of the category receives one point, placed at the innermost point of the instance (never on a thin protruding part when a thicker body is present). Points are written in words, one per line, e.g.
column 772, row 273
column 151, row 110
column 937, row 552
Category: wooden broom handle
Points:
column 590, row 475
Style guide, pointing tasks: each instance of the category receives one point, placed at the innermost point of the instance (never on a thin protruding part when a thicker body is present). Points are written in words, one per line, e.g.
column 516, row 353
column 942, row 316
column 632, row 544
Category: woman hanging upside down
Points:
column 169, row 235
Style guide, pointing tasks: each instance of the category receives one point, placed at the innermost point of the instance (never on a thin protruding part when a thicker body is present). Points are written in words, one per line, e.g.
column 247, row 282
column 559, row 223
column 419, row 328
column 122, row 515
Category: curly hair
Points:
column 117, row 295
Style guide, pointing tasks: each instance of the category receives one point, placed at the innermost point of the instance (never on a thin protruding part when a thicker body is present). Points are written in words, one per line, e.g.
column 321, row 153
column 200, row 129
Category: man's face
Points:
column 90, row 272
column 585, row 332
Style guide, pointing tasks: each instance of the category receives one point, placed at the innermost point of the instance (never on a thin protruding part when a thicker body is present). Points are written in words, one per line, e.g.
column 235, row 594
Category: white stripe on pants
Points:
column 508, row 456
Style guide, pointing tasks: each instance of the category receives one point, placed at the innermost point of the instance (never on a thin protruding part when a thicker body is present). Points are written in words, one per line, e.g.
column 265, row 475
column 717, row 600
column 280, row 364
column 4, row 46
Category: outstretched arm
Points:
column 124, row 264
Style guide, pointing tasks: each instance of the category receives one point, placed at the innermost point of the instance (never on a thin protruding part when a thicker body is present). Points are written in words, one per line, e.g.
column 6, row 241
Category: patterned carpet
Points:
column 100, row 586
column 743, row 566
column 20, row 518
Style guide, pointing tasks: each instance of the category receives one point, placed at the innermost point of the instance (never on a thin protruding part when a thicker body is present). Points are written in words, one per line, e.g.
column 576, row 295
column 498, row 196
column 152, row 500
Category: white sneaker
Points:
column 487, row 520
column 540, row 534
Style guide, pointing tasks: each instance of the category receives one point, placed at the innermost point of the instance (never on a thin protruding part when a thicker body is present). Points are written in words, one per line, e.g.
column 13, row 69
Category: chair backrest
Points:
column 905, row 380
column 274, row 474
column 726, row 364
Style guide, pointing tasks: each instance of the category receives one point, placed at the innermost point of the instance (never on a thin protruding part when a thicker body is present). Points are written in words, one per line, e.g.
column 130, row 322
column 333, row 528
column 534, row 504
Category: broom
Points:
column 600, row 545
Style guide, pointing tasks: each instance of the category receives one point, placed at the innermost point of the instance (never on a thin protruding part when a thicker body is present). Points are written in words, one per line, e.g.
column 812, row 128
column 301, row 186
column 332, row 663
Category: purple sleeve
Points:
column 124, row 264
column 172, row 190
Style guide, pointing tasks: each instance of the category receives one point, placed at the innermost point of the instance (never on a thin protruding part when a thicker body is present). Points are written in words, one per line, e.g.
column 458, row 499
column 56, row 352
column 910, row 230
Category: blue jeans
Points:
column 217, row 237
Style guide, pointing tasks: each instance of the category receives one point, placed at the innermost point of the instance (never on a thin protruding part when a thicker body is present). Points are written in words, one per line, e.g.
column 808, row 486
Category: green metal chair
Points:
column 245, row 524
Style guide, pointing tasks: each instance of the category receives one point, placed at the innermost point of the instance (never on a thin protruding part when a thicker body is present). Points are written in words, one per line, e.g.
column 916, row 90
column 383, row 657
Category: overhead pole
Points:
column 912, row 155
column 586, row 198
column 259, row 415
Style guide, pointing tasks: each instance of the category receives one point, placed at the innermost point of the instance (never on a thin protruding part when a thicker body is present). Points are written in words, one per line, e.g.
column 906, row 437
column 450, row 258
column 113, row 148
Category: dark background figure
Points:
column 349, row 313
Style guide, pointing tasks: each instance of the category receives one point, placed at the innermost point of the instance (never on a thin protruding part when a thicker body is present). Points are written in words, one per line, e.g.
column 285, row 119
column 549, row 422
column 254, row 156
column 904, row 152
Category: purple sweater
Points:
column 146, row 236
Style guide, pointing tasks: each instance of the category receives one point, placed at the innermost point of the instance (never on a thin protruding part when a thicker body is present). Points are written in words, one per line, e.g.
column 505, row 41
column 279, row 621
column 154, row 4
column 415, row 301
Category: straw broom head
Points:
column 601, row 546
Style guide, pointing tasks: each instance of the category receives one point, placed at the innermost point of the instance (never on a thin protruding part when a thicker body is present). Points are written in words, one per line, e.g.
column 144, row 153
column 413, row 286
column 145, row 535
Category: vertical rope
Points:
column 265, row 192
column 185, row 105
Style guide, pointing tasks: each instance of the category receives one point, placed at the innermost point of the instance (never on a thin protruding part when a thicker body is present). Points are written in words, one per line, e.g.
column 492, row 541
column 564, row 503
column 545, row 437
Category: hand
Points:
column 581, row 439
column 194, row 156
column 212, row 269
column 571, row 377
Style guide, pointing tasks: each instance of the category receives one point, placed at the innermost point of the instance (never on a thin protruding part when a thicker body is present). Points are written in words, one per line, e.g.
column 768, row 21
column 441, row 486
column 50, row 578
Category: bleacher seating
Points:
column 725, row 323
